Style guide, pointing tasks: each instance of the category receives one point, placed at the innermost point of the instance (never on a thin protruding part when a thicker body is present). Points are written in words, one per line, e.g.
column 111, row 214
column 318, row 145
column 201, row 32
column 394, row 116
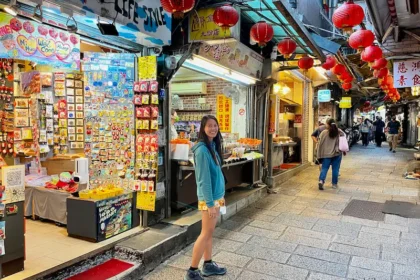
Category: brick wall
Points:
column 407, row 45
column 214, row 87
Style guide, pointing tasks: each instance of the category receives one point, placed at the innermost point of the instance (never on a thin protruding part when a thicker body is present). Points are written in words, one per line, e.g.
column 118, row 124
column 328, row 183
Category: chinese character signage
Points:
column 203, row 28
column 407, row 73
column 345, row 103
column 28, row 40
column 146, row 201
column 224, row 113
column 324, row 95
column 235, row 56
column 114, row 216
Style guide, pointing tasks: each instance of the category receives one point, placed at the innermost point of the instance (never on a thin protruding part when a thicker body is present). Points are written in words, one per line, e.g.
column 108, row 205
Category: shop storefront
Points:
column 216, row 81
column 79, row 142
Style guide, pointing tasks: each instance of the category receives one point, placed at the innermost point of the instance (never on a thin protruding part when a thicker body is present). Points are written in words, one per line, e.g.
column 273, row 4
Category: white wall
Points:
column 239, row 123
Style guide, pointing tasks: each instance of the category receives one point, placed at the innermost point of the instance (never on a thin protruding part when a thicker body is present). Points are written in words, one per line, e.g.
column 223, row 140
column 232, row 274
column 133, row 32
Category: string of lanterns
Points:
column 346, row 17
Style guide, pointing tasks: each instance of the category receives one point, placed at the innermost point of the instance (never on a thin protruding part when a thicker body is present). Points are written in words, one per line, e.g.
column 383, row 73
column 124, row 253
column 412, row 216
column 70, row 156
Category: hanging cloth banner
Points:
column 28, row 40
column 345, row 103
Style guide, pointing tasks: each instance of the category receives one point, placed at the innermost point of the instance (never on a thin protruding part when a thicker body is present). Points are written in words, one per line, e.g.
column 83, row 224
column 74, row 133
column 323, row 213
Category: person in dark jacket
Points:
column 394, row 129
column 379, row 131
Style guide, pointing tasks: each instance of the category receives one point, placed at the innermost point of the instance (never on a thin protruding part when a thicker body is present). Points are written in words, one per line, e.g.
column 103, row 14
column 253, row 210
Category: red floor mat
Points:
column 103, row 271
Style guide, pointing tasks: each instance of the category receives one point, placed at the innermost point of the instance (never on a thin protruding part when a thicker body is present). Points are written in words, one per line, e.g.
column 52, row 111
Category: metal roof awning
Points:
column 285, row 24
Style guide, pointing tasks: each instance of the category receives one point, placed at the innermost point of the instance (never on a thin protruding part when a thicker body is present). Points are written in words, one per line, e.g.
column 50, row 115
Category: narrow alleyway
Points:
column 300, row 233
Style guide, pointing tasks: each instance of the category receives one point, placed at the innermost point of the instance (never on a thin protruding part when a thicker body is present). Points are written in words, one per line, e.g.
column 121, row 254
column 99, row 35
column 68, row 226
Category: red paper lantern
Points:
column 379, row 63
column 348, row 79
column 262, row 33
column 381, row 73
column 371, row 53
column 361, row 39
column 339, row 69
column 348, row 15
column 346, row 86
column 305, row 62
column 366, row 104
column 286, row 47
column 177, row 7
column 329, row 63
column 344, row 76
column 225, row 16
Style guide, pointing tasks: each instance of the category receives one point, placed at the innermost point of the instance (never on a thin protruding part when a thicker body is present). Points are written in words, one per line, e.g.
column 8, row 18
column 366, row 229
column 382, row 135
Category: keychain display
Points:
column 110, row 125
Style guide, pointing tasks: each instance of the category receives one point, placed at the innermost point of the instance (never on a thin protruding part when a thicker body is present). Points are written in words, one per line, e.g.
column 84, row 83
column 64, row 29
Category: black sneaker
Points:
column 390, row 149
column 394, row 151
column 321, row 185
column 210, row 269
column 193, row 275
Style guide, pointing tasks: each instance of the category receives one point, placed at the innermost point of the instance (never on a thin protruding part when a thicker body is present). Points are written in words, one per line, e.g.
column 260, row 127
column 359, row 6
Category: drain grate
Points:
column 365, row 210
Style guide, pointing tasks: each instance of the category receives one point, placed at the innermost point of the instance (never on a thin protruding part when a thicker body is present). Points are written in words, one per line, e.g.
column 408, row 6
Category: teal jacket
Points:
column 208, row 175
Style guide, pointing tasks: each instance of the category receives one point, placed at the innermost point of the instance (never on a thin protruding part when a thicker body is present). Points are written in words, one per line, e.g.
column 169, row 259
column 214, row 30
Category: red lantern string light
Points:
column 381, row 73
column 379, row 63
column 286, row 47
column 367, row 104
column 329, row 63
column 305, row 62
column 345, row 76
column 225, row 16
column 347, row 16
column 346, row 86
column 177, row 7
column 262, row 33
column 339, row 69
column 371, row 53
column 361, row 39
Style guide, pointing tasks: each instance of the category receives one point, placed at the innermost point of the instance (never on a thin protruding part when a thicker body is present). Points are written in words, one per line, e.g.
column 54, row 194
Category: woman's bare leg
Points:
column 205, row 240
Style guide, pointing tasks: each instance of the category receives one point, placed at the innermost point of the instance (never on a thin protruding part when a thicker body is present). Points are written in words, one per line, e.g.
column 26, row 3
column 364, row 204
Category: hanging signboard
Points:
column 203, row 28
column 407, row 73
column 324, row 95
column 144, row 16
column 345, row 103
column 224, row 113
column 235, row 56
column 28, row 40
column 146, row 201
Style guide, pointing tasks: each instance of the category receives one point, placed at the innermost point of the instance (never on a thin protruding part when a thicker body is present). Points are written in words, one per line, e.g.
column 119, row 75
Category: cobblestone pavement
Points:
column 299, row 233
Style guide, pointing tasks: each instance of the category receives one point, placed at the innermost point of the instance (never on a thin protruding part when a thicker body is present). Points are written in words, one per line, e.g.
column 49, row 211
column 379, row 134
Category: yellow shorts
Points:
column 217, row 203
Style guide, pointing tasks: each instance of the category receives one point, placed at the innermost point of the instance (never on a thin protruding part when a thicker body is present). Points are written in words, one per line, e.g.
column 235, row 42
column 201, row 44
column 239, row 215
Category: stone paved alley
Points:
column 300, row 233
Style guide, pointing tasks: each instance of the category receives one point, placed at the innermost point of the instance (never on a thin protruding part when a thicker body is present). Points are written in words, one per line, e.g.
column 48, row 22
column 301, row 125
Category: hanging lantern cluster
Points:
column 387, row 85
column 225, row 16
column 305, row 62
column 286, row 47
column 344, row 76
column 348, row 16
column 177, row 7
column 262, row 33
column 329, row 63
column 371, row 53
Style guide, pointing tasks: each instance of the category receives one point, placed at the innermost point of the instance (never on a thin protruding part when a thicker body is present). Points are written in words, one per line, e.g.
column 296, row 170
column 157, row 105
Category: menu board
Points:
column 109, row 120
column 224, row 113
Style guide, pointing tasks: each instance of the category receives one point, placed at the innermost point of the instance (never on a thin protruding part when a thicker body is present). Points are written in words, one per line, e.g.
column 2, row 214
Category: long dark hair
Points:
column 218, row 140
column 333, row 129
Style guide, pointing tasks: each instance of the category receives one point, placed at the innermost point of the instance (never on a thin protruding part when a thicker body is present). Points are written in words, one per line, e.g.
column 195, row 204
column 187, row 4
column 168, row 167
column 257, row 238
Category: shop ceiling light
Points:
column 12, row 9
column 107, row 28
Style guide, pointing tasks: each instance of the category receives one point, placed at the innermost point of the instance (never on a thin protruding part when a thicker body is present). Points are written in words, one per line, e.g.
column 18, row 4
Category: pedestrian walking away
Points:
column 394, row 129
column 210, row 191
column 315, row 138
column 329, row 152
column 379, row 130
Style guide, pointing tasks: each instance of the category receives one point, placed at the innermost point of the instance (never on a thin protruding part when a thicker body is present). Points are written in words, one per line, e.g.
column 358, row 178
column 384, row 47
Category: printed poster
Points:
column 146, row 201
column 25, row 39
column 13, row 179
column 224, row 113
column 114, row 216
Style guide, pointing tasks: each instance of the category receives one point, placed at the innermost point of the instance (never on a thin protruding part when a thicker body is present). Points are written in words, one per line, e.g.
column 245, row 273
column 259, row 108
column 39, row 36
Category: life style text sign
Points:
column 26, row 39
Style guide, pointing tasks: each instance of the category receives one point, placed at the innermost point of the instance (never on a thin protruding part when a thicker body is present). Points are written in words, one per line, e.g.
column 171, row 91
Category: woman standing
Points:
column 365, row 129
column 329, row 152
column 210, row 191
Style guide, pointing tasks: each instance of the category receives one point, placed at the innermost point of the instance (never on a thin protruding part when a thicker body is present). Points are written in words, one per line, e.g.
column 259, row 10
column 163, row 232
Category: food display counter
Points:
column 244, row 173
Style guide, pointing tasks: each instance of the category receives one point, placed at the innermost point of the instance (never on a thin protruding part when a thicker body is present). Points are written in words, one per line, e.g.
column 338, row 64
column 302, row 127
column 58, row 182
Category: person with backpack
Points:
column 365, row 129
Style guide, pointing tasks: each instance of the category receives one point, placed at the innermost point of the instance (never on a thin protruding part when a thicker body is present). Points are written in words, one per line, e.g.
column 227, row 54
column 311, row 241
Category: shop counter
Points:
column 97, row 220
column 184, row 187
column 278, row 152
column 46, row 203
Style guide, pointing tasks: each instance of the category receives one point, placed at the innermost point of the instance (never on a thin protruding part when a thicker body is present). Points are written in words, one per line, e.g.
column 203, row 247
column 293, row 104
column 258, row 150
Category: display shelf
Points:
column 193, row 110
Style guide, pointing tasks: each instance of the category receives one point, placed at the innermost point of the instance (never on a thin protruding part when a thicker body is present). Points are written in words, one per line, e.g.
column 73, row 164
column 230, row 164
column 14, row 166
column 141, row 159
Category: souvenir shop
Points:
column 79, row 156
column 218, row 80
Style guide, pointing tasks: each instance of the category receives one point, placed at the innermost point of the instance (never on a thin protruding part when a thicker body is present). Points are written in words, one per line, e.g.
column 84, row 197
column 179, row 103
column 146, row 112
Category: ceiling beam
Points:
column 415, row 36
column 387, row 33
column 299, row 28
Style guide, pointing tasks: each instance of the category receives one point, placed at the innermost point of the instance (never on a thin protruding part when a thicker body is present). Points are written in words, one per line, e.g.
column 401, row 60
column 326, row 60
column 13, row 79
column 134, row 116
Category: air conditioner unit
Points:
column 188, row 88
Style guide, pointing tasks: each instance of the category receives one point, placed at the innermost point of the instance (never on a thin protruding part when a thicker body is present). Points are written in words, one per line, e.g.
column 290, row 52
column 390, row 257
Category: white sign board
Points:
column 407, row 73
